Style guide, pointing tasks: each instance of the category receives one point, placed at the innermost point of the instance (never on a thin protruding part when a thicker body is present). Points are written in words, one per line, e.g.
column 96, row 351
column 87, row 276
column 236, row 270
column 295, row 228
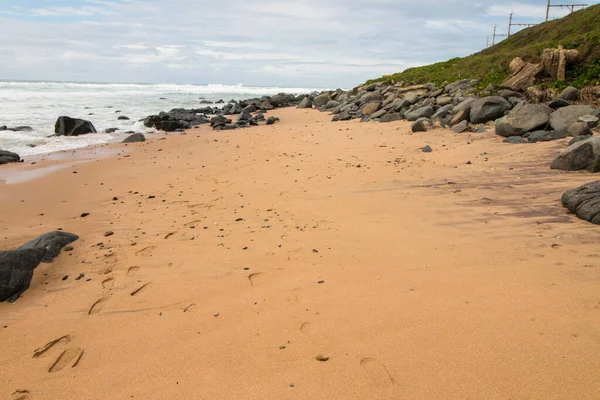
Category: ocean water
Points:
column 39, row 104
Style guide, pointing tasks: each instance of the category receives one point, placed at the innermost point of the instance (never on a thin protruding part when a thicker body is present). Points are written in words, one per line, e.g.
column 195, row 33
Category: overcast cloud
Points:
column 326, row 43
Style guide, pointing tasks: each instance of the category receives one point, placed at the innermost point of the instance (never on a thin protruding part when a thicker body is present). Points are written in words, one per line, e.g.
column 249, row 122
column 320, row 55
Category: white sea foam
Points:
column 39, row 104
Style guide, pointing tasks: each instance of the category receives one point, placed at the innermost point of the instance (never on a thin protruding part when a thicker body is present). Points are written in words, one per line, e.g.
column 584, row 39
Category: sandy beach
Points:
column 239, row 261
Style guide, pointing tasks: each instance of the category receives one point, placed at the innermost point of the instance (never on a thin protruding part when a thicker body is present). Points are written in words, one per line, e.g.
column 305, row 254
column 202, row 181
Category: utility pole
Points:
column 510, row 24
column 497, row 35
column 570, row 7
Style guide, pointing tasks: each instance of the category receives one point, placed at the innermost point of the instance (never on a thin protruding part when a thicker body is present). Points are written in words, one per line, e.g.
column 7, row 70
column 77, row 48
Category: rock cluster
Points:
column 16, row 266
column 179, row 119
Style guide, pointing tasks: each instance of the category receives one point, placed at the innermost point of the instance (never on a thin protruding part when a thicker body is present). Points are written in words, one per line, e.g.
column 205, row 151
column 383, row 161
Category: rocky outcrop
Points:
column 583, row 155
column 8, row 157
column 584, row 202
column 67, row 126
column 524, row 75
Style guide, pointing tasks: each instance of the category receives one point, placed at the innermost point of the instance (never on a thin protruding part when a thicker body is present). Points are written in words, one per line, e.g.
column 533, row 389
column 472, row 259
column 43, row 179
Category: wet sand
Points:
column 238, row 257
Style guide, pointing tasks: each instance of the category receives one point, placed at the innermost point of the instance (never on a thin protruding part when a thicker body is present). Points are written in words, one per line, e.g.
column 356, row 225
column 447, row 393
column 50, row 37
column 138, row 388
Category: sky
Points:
column 306, row 43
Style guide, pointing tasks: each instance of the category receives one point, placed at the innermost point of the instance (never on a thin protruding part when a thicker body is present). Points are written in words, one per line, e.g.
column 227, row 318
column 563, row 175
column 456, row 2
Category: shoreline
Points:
column 418, row 275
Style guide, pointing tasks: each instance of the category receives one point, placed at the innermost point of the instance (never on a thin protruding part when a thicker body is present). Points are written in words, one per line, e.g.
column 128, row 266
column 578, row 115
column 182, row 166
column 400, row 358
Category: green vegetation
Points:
column 579, row 30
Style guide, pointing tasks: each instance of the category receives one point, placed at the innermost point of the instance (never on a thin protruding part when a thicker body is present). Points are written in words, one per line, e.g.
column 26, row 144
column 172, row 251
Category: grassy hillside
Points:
column 579, row 30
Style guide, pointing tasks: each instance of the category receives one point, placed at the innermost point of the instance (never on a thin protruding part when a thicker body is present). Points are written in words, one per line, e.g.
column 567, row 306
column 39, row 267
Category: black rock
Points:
column 16, row 271
column 111, row 130
column 579, row 139
column 53, row 242
column 488, row 109
column 546, row 136
column 136, row 137
column 584, row 202
column 558, row 103
column 419, row 126
column 123, row 118
column 67, row 126
column 21, row 129
column 272, row 120
column 8, row 157
column 514, row 140
column 427, row 149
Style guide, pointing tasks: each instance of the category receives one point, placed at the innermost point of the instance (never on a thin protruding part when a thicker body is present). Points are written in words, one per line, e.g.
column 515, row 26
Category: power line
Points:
column 570, row 7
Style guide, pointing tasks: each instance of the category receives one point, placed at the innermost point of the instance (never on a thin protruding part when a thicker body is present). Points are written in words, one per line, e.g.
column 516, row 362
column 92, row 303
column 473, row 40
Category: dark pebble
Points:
column 83, row 215
column 81, row 275
column 109, row 233
column 315, row 251
column 64, row 278
column 115, row 198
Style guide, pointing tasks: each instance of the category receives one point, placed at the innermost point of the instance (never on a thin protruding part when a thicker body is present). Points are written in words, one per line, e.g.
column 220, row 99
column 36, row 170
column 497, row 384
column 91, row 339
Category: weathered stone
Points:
column 343, row 116
column 558, row 103
column 390, row 116
column 579, row 139
column 461, row 127
column 460, row 116
column 569, row 94
column 411, row 97
column 565, row 116
column 584, row 202
column 590, row 120
column 419, row 126
column 427, row 149
column 305, row 103
column 136, row 137
column 523, row 75
column 579, row 129
column 514, row 140
column 444, row 100
column 523, row 118
column 546, row 136
column 321, row 100
column 420, row 113
column 378, row 114
column 555, row 61
column 370, row 108
column 488, row 109
column 16, row 271
column 52, row 242
column 583, row 155
column 442, row 111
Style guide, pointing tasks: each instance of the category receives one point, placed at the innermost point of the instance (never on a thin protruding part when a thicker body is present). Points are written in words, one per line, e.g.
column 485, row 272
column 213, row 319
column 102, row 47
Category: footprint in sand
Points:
column 64, row 339
column 108, row 283
column 312, row 330
column 146, row 252
column 69, row 357
column 132, row 271
column 98, row 306
column 378, row 372
column 255, row 278
column 21, row 394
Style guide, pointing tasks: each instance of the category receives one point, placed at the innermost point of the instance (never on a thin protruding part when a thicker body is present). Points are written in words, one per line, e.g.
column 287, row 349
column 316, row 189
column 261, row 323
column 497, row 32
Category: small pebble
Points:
column 64, row 278
column 81, row 275
column 109, row 233
column 115, row 198
column 315, row 251
column 84, row 215
column 322, row 358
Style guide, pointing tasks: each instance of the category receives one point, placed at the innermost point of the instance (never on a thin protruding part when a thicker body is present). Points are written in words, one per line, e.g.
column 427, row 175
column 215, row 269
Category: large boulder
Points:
column 321, row 100
column 583, row 155
column 423, row 112
column 53, row 242
column 370, row 97
column 305, row 103
column 16, row 271
column 488, row 109
column 565, row 116
column 584, row 202
column 8, row 157
column 67, row 126
column 523, row 118
column 134, row 138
